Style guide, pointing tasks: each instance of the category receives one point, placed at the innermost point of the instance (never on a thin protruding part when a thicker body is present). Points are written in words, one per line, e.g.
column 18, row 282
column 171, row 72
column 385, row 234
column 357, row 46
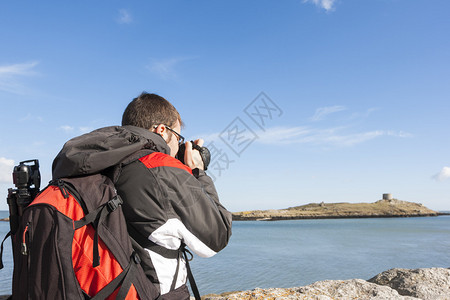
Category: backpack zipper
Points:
column 24, row 241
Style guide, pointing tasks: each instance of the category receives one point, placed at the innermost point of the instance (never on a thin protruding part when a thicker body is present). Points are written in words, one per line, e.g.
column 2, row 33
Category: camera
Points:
column 204, row 153
column 27, row 179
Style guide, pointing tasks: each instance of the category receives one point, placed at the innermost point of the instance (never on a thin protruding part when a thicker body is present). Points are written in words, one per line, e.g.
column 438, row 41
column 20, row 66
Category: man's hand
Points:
column 192, row 157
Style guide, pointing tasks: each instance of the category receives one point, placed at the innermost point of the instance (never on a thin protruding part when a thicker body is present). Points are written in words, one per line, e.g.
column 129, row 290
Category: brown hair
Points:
column 148, row 110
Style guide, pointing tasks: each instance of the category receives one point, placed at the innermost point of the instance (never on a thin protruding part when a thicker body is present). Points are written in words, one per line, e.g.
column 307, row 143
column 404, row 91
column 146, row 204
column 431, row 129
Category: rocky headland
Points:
column 426, row 284
column 378, row 209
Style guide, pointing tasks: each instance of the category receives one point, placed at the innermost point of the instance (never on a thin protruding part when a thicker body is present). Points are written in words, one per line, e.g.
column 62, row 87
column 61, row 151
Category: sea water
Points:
column 300, row 252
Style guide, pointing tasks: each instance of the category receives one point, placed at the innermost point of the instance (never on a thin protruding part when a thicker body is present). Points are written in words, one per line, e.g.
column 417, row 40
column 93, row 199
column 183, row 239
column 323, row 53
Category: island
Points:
column 384, row 208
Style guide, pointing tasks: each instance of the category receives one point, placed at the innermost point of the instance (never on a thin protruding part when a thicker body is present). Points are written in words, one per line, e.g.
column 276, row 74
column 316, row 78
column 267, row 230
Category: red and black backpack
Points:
column 71, row 242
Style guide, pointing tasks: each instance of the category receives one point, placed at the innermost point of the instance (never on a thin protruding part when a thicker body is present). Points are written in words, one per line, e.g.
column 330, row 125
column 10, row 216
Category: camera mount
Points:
column 27, row 179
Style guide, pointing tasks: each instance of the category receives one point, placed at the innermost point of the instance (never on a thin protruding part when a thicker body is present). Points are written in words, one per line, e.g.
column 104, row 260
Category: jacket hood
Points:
column 103, row 148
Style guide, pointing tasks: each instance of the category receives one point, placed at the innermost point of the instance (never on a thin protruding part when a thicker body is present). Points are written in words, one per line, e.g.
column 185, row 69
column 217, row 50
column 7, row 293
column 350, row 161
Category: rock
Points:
column 321, row 290
column 349, row 289
column 430, row 283
column 426, row 284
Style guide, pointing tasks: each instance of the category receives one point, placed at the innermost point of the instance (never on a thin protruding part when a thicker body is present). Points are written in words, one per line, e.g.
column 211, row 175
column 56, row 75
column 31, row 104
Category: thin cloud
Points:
column 124, row 17
column 333, row 136
column 166, row 68
column 322, row 112
column 325, row 4
column 30, row 117
column 401, row 134
column 39, row 143
column 10, row 76
column 363, row 115
column 67, row 128
column 209, row 137
column 443, row 174
column 86, row 129
column 347, row 140
column 346, row 135
column 6, row 168
column 284, row 135
column 71, row 129
column 306, row 135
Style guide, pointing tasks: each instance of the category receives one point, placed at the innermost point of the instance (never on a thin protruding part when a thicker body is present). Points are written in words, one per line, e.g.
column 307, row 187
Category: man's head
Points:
column 155, row 113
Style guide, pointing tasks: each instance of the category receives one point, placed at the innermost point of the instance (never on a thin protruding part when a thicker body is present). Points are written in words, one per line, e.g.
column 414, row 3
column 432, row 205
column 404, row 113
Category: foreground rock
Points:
column 379, row 209
column 433, row 283
column 426, row 284
column 322, row 290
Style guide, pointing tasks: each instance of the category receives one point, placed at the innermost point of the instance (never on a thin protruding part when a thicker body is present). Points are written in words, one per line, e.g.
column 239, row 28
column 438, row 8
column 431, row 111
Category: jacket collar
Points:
column 103, row 148
column 160, row 143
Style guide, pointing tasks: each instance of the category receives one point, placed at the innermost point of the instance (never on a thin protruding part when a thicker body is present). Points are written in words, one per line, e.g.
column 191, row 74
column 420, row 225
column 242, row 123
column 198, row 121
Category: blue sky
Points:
column 303, row 101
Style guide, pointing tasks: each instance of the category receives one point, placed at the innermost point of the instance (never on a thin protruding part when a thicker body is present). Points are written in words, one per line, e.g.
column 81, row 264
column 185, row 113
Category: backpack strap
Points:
column 171, row 254
column 148, row 244
column 1, row 251
column 97, row 217
column 194, row 287
column 182, row 252
column 124, row 280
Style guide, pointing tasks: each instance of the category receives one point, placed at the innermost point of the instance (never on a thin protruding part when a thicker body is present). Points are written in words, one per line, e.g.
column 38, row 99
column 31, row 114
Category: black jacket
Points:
column 164, row 201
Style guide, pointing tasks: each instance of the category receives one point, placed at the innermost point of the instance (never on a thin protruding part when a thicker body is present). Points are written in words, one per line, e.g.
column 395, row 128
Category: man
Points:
column 168, row 204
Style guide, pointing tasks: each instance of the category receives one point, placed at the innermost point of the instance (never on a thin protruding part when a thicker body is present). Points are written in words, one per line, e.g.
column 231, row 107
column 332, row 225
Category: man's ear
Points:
column 159, row 129
column 162, row 131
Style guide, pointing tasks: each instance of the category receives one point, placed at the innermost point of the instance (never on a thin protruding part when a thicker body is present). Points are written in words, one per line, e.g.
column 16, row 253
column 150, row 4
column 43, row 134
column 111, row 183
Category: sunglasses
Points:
column 180, row 137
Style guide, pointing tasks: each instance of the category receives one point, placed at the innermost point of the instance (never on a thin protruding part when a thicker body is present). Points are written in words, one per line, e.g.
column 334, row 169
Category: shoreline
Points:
column 287, row 218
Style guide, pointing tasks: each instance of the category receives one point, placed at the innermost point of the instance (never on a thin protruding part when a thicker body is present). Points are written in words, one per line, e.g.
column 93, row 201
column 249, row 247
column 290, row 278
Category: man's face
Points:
column 172, row 140
column 170, row 136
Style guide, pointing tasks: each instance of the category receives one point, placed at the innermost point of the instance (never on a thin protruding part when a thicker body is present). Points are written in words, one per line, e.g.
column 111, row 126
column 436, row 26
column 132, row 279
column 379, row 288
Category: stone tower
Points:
column 387, row 197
